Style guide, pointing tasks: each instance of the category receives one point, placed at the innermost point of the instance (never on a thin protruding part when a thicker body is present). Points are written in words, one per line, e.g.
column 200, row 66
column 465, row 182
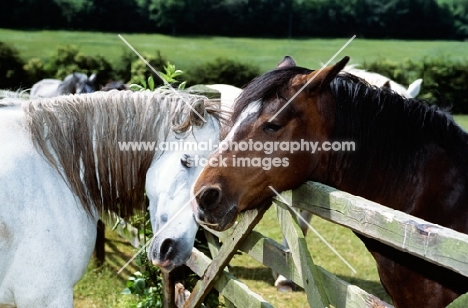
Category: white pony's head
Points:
column 168, row 184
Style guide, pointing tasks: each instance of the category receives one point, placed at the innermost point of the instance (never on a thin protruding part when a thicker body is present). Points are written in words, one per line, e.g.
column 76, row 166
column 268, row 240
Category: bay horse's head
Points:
column 276, row 115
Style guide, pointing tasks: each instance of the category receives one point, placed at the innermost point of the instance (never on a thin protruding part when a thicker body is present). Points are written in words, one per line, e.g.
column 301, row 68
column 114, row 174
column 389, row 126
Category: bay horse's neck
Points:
column 403, row 149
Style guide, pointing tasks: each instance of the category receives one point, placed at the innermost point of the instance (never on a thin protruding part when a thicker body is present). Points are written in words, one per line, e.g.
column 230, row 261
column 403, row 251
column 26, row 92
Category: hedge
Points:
column 445, row 80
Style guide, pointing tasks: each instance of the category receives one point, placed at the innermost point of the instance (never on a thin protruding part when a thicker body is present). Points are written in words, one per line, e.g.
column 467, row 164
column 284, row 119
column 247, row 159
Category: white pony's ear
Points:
column 286, row 62
column 198, row 118
column 414, row 88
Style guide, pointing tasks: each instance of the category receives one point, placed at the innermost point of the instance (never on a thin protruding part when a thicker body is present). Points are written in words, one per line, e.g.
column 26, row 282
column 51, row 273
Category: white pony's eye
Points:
column 186, row 161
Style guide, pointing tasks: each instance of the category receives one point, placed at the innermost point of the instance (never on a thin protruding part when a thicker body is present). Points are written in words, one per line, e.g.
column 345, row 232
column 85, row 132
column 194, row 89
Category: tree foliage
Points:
column 408, row 19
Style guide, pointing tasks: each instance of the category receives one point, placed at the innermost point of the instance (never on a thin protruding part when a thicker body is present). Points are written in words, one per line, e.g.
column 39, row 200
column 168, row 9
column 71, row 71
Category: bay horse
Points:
column 408, row 155
column 75, row 83
column 66, row 160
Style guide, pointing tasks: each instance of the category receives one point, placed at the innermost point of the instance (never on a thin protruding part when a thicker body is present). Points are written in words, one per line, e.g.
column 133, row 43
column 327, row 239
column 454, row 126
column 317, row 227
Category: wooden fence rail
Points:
column 428, row 241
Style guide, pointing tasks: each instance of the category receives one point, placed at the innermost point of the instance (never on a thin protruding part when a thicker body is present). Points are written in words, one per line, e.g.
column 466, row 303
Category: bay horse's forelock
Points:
column 80, row 134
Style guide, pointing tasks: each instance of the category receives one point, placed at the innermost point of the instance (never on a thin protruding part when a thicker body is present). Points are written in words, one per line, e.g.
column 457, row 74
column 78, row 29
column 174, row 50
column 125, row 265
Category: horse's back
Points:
column 228, row 94
column 45, row 88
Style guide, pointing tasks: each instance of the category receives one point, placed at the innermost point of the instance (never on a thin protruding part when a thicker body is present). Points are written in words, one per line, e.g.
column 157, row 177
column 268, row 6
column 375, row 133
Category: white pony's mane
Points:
column 79, row 136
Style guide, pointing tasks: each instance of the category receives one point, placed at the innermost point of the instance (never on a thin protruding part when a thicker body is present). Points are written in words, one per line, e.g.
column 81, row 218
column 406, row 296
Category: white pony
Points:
column 384, row 82
column 171, row 216
column 66, row 160
column 75, row 83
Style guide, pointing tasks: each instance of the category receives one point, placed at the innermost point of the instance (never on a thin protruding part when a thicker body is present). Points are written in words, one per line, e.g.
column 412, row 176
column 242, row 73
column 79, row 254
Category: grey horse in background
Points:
column 75, row 83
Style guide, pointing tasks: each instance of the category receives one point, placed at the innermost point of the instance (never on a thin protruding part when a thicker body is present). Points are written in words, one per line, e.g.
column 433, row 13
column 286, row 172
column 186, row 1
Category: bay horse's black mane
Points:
column 392, row 130
column 387, row 128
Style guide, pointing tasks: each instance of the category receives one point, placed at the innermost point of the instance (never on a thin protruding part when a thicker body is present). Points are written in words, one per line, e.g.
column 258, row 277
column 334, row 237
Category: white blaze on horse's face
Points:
column 251, row 109
column 168, row 184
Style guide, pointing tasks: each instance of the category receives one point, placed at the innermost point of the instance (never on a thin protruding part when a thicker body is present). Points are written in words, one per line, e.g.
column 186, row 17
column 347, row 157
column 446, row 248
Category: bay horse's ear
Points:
column 286, row 62
column 327, row 74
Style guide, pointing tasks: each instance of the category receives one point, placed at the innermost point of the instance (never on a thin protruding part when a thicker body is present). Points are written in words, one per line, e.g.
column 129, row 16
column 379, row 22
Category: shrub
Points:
column 445, row 81
column 69, row 59
column 12, row 75
column 123, row 68
column 140, row 71
column 35, row 70
column 222, row 70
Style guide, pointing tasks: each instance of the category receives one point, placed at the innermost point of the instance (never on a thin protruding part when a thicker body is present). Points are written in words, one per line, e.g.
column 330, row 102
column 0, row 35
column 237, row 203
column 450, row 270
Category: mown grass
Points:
column 100, row 287
column 186, row 52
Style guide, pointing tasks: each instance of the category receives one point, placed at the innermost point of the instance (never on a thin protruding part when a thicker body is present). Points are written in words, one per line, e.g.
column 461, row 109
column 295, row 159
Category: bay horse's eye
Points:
column 186, row 161
column 271, row 127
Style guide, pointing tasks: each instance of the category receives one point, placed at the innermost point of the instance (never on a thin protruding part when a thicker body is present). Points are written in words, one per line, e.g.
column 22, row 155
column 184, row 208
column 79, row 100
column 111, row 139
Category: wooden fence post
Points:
column 168, row 290
column 228, row 249
column 99, row 246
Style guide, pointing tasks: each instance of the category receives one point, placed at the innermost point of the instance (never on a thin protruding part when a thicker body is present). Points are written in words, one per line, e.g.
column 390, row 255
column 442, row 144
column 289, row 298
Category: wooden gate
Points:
column 428, row 241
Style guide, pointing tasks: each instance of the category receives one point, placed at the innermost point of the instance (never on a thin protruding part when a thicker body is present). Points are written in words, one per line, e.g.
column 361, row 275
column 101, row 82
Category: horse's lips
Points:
column 166, row 265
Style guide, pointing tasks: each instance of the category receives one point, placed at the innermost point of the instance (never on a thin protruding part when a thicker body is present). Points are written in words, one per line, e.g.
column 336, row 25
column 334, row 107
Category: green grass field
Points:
column 185, row 52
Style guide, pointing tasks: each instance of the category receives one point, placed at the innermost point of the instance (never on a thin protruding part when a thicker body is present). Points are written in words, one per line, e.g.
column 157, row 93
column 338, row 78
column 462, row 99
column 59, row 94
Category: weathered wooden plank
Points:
column 340, row 293
column 311, row 277
column 271, row 254
column 229, row 286
column 213, row 243
column 247, row 222
column 429, row 241
column 123, row 228
column 213, row 246
column 168, row 290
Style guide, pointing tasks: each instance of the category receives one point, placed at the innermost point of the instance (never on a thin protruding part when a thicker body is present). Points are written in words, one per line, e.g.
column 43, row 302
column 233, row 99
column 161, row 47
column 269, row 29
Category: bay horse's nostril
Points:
column 209, row 198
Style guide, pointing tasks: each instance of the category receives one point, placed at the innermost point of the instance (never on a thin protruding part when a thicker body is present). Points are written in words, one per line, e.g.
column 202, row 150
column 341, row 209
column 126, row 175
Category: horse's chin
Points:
column 165, row 266
column 219, row 226
column 258, row 204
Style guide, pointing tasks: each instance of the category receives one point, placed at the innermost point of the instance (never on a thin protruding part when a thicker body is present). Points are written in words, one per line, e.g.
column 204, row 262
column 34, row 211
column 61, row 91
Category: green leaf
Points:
column 182, row 85
column 136, row 87
column 140, row 286
column 151, row 83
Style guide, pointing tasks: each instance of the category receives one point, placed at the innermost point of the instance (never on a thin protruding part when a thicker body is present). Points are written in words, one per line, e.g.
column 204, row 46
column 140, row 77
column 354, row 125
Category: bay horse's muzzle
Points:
column 212, row 209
